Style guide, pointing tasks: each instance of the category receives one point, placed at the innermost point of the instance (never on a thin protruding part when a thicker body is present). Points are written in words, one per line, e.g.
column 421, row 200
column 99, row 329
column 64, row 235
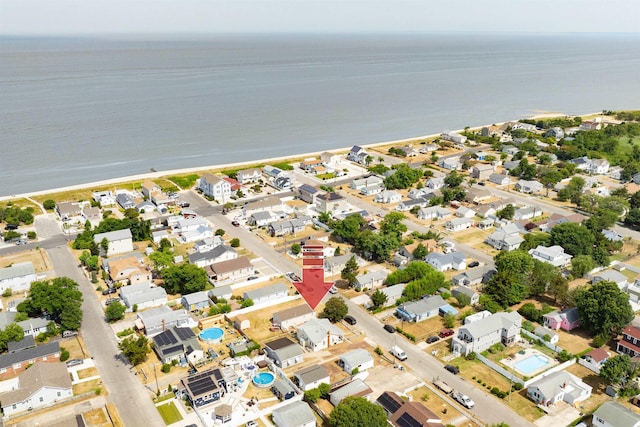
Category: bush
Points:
column 312, row 395
column 7, row 293
column 517, row 386
column 166, row 368
column 378, row 351
column 564, row 355
column 600, row 340
column 471, row 356
column 49, row 204
column 496, row 348
column 495, row 390
column 31, row 235
column 64, row 354
column 235, row 242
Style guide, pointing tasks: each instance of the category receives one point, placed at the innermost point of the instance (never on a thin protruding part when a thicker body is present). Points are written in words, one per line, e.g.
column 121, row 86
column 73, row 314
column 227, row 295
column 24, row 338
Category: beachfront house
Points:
column 480, row 335
column 453, row 137
column 215, row 187
column 118, row 242
column 558, row 386
column 358, row 155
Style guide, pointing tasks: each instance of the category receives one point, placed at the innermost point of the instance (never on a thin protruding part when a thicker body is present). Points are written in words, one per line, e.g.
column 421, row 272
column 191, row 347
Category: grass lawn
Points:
column 88, row 386
column 169, row 413
column 435, row 403
column 86, row 373
column 96, row 417
column 23, row 203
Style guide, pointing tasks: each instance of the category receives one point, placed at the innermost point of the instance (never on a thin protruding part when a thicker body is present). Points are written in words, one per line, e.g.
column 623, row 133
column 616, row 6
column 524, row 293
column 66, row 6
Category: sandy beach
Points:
column 184, row 171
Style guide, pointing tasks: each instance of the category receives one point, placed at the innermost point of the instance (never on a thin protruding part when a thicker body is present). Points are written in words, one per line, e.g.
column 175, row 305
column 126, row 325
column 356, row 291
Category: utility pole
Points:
column 156, row 377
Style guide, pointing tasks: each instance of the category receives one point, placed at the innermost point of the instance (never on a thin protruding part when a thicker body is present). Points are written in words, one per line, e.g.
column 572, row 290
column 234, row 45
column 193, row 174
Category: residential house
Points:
column 421, row 202
column 630, row 342
column 554, row 132
column 196, row 301
column 611, row 276
column 450, row 163
column 119, row 242
column 453, row 137
column 330, row 159
column 402, row 413
column 510, row 150
column 409, row 151
column 485, row 211
column 526, row 126
column 217, row 254
column 104, row 198
column 293, row 317
column 527, row 212
column 591, row 124
column 372, row 279
column 158, row 235
column 179, row 344
column 127, row 269
column 231, row 270
column 206, row 245
column 359, row 359
column 553, row 255
column 334, row 265
column 283, row 389
column 33, row 326
column 319, row 334
column 288, row 226
column 159, row 319
column 93, row 215
column 247, row 176
column 204, row 388
column 612, row 235
column 481, row 171
column 68, row 211
column 477, row 195
column 407, row 251
column 125, row 201
column 529, row 187
column 474, row 277
column 613, row 414
column 218, row 292
column 459, row 224
column 295, row 414
column 369, row 185
column 310, row 165
column 500, row 179
column 595, row 359
column 510, row 165
column 445, row 262
column 477, row 316
column 417, row 311
column 215, row 187
column 358, row 155
column 428, row 148
column 17, row 277
column 143, row 295
column 434, row 213
column 307, row 193
column 464, row 212
column 616, row 172
column 480, row 335
column 566, row 319
column 267, row 294
column 16, row 362
column 284, row 352
column 357, row 387
column 474, row 297
column 261, row 219
column 388, row 196
column 598, row 166
column 331, row 202
column 558, row 386
column 42, row 385
column 282, row 183
column 311, row 377
column 271, row 204
column 482, row 155
column 543, row 332
column 435, row 183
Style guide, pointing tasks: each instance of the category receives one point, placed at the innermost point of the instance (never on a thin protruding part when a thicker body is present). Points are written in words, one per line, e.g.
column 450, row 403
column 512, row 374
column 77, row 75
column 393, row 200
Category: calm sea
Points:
column 75, row 110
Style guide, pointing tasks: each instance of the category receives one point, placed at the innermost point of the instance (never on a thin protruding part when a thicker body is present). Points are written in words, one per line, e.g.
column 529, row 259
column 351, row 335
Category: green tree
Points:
column 533, row 240
column 247, row 303
column 59, row 298
column 165, row 245
column 350, row 271
column 403, row 177
column 506, row 289
column 543, row 274
column 507, row 212
column 420, row 252
column 115, row 311
column 453, row 179
column 449, row 320
column 135, row 349
column 603, row 308
column 558, row 288
column 516, row 263
column 576, row 239
column 184, row 279
column 160, row 260
column 235, row 242
column 355, row 411
column 581, row 265
column 220, row 232
column 104, row 245
column 616, row 368
column 296, row 248
column 391, row 225
column 49, row 204
column 335, row 309
column 378, row 298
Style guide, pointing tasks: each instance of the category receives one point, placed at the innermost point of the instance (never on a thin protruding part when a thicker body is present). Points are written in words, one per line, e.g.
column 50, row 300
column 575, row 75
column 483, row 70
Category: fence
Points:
column 542, row 341
column 499, row 369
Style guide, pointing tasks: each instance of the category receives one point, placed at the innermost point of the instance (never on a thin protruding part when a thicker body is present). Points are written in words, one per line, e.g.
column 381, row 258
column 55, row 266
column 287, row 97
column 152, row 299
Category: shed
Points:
column 241, row 322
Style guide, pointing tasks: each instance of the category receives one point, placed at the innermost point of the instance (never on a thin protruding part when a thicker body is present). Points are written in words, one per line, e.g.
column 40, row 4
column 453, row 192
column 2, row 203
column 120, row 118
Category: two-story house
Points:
column 480, row 335
column 215, row 187
column 553, row 255
column 566, row 319
column 630, row 342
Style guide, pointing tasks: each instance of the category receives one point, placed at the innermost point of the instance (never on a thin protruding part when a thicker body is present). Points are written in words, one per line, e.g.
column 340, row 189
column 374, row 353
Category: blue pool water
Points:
column 212, row 334
column 531, row 363
column 263, row 379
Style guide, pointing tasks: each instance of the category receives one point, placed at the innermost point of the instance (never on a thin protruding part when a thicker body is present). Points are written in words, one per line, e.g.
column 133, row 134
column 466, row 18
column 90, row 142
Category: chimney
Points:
column 164, row 327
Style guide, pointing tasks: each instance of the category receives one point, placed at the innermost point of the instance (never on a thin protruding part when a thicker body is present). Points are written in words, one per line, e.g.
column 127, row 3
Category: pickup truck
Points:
column 443, row 386
column 464, row 400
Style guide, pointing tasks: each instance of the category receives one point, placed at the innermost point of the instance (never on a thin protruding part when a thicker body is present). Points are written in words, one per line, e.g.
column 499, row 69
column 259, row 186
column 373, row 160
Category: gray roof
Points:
column 552, row 383
column 355, row 387
column 424, row 305
column 176, row 341
column 616, row 415
column 141, row 293
column 283, row 387
column 293, row 312
column 357, row 357
column 154, row 317
column 33, row 379
column 17, row 270
column 259, row 293
column 312, row 373
column 474, row 273
column 220, row 291
column 463, row 290
column 452, row 257
column 541, row 331
column 214, row 253
column 611, row 275
column 7, row 317
column 285, row 348
column 9, row 359
column 295, row 414
column 113, row 235
column 261, row 215
column 317, row 329
column 571, row 314
column 196, row 297
column 28, row 341
column 493, row 323
column 372, row 276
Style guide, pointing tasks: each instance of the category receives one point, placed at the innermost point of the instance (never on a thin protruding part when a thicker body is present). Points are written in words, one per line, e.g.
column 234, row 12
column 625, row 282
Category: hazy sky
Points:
column 204, row 16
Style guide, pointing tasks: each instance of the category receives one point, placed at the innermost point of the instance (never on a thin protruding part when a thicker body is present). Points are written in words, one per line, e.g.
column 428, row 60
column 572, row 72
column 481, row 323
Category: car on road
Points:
column 74, row 362
column 252, row 277
column 292, row 276
column 184, row 204
column 252, row 424
column 473, row 264
column 350, row 319
column 235, row 223
column 21, row 242
column 446, row 333
column 464, row 400
column 109, row 291
column 389, row 329
column 432, row 339
column 453, row 369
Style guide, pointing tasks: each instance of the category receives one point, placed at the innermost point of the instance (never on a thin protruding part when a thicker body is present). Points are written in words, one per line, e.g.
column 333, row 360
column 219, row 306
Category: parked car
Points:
column 474, row 264
column 11, row 227
column 252, row 424
column 464, row 400
column 432, row 339
column 252, row 277
column 452, row 369
column 446, row 333
column 111, row 301
column 74, row 362
column 333, row 290
column 293, row 276
column 184, row 204
column 68, row 334
column 109, row 291
column 21, row 242
column 350, row 319
column 389, row 329
column 235, row 223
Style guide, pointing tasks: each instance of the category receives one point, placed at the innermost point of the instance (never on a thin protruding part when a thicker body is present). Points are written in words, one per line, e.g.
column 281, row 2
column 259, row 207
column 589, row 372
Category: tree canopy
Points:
column 603, row 308
column 403, row 177
column 135, row 348
column 335, row 309
column 576, row 239
column 59, row 298
column 184, row 279
column 355, row 411
column 115, row 311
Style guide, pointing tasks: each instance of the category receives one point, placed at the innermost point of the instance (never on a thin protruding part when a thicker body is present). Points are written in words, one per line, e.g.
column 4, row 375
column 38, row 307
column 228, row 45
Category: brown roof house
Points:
column 402, row 413
column 231, row 270
column 294, row 316
column 12, row 364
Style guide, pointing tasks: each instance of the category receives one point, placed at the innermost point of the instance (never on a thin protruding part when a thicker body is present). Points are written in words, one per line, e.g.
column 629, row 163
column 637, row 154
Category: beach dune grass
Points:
column 169, row 413
column 185, row 182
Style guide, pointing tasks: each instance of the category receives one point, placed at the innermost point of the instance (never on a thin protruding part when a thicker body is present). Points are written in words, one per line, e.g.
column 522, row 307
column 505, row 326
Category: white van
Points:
column 398, row 353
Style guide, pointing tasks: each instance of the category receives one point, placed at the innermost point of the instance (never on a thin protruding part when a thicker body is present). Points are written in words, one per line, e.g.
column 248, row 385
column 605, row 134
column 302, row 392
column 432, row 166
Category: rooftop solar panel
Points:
column 389, row 403
column 406, row 420
column 184, row 333
column 165, row 338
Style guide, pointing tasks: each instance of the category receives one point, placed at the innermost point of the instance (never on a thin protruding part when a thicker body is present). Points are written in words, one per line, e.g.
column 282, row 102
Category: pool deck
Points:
column 510, row 362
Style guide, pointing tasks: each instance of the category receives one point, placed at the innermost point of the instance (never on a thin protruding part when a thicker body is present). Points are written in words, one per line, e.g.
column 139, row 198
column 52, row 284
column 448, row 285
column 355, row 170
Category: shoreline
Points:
column 234, row 165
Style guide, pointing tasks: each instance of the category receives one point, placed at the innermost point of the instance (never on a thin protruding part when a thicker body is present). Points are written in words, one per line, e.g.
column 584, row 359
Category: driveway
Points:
column 564, row 415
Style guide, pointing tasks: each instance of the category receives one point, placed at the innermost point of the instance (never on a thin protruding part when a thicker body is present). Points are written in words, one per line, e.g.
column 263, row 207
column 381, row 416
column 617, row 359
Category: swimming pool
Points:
column 263, row 379
column 531, row 363
column 212, row 335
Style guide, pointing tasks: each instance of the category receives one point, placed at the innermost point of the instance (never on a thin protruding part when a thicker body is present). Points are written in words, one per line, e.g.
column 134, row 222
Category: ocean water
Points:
column 76, row 110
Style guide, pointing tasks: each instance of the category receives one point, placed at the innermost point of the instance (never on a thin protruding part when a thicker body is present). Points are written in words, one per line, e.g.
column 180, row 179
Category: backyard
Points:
column 169, row 413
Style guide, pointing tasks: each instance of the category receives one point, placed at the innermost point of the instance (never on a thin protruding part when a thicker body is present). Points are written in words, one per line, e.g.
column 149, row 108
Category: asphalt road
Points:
column 127, row 393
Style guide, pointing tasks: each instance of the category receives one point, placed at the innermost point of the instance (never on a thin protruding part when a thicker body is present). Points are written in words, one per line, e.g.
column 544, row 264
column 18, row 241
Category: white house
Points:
column 474, row 276
column 267, row 294
column 459, row 224
column 388, row 196
column 465, row 212
column 529, row 187
column 553, row 255
column 435, row 183
column 17, row 277
column 143, row 295
column 371, row 279
column 215, row 187
column 295, row 414
column 599, row 166
column 506, row 238
column 292, row 317
column 284, row 352
column 119, row 242
column 357, row 387
column 453, row 137
column 434, row 212
column 527, row 212
column 42, row 385
column 311, row 377
column 367, row 185
column 318, row 334
column 358, row 358
column 558, row 386
column 450, row 163
column 474, row 297
column 595, row 359
column 444, row 262
column 358, row 155
column 247, row 176
column 330, row 159
column 480, row 335
column 481, row 171
column 542, row 332
column 613, row 414
column 417, row 311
